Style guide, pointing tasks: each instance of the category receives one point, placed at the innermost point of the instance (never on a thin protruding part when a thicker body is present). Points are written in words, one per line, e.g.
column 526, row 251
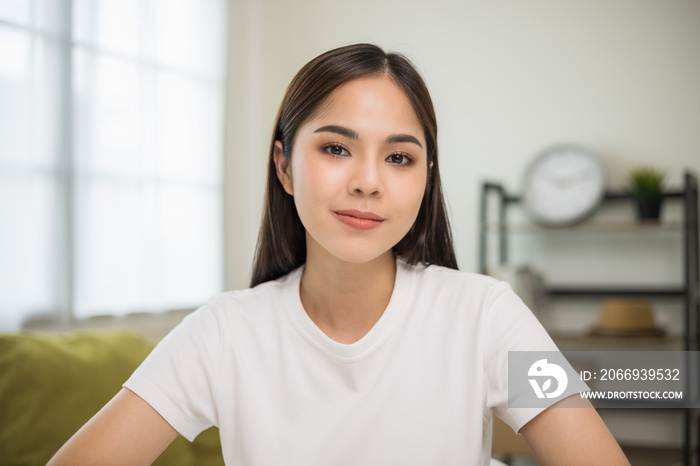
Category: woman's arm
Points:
column 126, row 431
column 571, row 432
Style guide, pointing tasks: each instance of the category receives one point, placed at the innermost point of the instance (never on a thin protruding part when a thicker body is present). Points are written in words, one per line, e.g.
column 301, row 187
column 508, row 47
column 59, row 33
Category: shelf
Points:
column 495, row 226
column 608, row 196
column 578, row 342
column 608, row 291
column 601, row 227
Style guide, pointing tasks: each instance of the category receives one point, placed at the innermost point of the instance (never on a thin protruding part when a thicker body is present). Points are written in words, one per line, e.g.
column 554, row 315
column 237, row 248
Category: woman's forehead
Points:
column 368, row 104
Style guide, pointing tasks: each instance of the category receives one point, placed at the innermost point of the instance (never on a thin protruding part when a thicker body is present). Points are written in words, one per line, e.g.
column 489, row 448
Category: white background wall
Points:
column 508, row 78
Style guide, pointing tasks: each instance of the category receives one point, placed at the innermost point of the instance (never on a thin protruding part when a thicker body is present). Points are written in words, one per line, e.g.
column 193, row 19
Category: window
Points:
column 111, row 149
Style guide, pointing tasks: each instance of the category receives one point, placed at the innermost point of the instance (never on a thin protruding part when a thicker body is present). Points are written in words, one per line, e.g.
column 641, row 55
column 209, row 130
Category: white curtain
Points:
column 111, row 118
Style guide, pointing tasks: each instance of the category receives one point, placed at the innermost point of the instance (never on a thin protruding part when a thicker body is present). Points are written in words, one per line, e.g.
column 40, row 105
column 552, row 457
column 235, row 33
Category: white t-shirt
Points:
column 418, row 389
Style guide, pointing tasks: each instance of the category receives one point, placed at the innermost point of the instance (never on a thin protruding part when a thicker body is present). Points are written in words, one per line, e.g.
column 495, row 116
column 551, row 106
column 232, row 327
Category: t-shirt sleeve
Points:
column 179, row 379
column 509, row 325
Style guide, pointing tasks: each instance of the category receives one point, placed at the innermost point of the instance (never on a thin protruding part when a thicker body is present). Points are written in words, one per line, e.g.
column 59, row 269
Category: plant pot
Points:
column 648, row 208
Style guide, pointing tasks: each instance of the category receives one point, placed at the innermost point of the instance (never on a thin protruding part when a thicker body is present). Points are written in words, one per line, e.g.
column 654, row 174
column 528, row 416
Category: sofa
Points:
column 50, row 385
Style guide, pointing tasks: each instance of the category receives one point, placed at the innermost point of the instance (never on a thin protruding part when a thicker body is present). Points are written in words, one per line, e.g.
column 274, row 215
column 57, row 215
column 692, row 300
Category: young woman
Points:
column 359, row 342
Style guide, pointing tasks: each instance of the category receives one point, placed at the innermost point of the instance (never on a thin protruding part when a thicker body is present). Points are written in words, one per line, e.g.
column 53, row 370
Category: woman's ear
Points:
column 283, row 169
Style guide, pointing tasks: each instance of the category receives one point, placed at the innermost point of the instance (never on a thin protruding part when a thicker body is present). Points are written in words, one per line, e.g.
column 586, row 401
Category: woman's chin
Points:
column 361, row 257
column 358, row 255
column 351, row 250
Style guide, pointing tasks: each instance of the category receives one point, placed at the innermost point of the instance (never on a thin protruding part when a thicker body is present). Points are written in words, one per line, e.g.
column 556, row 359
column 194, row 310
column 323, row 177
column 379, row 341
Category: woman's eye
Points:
column 336, row 150
column 399, row 159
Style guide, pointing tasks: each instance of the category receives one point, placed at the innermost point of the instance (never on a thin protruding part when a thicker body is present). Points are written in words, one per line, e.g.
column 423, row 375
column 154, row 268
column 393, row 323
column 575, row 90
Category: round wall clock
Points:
column 564, row 184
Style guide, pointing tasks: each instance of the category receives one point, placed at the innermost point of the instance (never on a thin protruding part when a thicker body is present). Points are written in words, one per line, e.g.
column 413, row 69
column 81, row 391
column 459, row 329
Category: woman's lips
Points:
column 358, row 219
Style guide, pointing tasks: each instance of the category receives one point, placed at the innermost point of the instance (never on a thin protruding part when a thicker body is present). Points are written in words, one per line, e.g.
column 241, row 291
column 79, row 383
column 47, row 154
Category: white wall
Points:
column 508, row 78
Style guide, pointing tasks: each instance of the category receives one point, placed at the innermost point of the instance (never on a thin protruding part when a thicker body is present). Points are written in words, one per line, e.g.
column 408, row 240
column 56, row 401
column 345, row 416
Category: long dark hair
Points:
column 282, row 241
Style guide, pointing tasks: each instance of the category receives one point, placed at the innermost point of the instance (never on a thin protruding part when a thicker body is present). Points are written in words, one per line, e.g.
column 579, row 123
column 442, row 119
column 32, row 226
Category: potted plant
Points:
column 645, row 184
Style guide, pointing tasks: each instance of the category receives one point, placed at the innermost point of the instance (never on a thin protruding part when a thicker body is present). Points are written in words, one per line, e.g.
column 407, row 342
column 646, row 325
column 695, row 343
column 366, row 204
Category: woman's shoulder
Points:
column 264, row 290
column 258, row 301
column 445, row 276
column 465, row 289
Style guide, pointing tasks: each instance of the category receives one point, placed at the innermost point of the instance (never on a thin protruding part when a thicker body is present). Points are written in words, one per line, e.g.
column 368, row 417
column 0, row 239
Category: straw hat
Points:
column 621, row 317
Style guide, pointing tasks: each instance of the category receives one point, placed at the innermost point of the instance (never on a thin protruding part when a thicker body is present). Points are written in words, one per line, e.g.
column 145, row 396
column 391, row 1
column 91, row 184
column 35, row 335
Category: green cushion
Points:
column 207, row 448
column 51, row 385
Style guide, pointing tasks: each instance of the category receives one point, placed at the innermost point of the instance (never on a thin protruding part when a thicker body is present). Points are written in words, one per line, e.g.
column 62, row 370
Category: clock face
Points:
column 563, row 185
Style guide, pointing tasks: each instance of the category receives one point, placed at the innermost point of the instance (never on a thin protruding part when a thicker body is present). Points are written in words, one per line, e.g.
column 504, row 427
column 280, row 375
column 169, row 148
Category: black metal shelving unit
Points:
column 687, row 291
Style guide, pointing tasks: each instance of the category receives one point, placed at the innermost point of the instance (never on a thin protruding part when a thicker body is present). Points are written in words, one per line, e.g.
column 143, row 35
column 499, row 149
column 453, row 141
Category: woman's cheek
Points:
column 324, row 178
column 413, row 191
column 315, row 181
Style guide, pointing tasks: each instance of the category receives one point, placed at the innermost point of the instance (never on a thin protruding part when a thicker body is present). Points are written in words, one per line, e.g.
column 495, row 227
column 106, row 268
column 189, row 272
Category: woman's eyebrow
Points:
column 394, row 138
column 348, row 133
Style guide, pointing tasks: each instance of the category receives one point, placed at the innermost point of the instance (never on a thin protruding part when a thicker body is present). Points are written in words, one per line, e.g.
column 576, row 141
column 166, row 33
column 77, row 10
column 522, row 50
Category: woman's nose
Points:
column 366, row 179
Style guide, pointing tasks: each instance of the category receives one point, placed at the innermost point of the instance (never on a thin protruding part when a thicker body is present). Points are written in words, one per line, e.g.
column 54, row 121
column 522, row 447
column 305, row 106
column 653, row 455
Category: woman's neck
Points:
column 344, row 299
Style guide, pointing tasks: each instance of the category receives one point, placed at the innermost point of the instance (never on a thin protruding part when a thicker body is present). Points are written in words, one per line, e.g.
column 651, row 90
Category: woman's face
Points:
column 357, row 171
